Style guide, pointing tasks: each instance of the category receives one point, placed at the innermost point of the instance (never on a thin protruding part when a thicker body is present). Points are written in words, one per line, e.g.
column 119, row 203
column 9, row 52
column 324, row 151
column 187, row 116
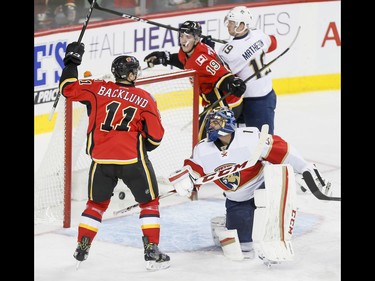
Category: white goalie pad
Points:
column 230, row 244
column 226, row 239
column 275, row 214
column 181, row 182
column 217, row 224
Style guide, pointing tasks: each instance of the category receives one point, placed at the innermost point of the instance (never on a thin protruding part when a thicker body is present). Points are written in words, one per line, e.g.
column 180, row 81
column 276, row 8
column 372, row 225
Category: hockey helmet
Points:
column 191, row 27
column 123, row 65
column 239, row 14
column 225, row 118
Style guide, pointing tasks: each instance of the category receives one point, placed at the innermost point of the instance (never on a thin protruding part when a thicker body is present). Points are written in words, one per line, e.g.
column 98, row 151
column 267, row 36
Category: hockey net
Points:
column 62, row 174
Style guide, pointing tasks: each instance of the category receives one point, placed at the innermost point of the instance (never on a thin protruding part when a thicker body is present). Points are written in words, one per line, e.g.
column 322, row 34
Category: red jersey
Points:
column 210, row 71
column 124, row 121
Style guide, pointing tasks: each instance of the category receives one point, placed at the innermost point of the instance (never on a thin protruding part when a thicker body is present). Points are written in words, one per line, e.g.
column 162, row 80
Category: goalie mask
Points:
column 123, row 65
column 222, row 116
column 239, row 14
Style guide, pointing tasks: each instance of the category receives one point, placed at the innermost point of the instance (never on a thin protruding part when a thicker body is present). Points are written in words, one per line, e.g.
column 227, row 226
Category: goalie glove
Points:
column 156, row 58
column 181, row 182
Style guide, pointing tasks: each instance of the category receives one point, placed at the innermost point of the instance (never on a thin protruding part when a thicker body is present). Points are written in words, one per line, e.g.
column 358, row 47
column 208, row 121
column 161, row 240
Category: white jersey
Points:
column 244, row 56
column 239, row 186
column 209, row 157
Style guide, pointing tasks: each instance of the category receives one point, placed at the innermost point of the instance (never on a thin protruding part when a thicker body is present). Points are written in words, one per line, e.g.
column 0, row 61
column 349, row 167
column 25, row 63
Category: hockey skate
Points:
column 82, row 251
column 155, row 260
column 247, row 249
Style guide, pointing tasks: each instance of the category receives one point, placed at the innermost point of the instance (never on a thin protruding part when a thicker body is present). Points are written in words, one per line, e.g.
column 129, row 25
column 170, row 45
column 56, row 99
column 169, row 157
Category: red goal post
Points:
column 62, row 175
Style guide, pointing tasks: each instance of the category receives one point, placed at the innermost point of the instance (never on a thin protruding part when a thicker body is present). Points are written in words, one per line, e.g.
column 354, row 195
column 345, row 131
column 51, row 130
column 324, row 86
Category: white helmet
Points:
column 239, row 14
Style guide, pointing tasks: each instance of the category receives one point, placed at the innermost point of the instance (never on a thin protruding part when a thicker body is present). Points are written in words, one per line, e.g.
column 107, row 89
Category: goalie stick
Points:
column 237, row 167
column 315, row 189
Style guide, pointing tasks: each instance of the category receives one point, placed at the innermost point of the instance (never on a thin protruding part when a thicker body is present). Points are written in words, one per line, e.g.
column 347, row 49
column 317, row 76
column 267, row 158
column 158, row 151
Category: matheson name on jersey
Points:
column 122, row 94
column 252, row 49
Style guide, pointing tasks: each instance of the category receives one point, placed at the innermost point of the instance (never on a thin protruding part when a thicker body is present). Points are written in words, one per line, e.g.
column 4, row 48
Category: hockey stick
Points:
column 315, row 189
column 85, row 23
column 214, row 104
column 128, row 16
column 237, row 167
column 115, row 213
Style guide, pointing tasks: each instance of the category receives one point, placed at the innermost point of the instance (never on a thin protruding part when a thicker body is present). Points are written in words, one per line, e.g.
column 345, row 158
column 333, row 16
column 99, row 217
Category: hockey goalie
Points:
column 256, row 171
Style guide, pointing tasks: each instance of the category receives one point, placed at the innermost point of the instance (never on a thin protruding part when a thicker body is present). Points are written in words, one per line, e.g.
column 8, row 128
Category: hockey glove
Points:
column 181, row 182
column 208, row 41
column 74, row 53
column 237, row 87
column 157, row 58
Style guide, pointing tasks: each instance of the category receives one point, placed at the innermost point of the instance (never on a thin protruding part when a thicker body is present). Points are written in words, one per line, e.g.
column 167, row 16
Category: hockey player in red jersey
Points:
column 124, row 124
column 214, row 79
column 228, row 146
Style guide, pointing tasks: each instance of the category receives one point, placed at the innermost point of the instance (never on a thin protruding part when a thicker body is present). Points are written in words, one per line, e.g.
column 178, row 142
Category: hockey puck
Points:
column 121, row 195
column 87, row 73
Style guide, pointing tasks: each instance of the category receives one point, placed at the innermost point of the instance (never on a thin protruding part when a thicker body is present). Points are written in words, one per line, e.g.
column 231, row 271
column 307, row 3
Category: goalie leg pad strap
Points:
column 275, row 214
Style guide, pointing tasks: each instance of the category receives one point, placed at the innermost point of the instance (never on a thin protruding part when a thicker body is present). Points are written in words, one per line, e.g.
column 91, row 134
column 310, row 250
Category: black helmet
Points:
column 122, row 65
column 191, row 27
